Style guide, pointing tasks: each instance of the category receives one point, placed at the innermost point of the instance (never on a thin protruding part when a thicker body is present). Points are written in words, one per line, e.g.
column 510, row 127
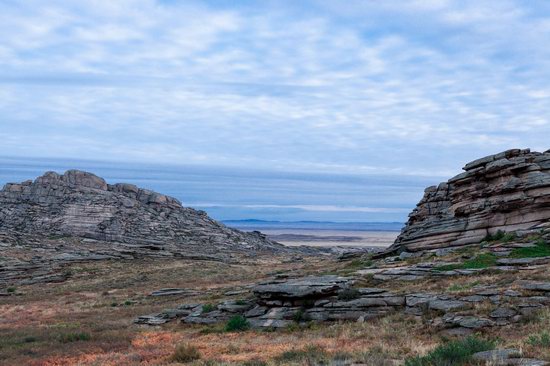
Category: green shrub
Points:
column 186, row 353
column 300, row 316
column 349, row 294
column 453, row 353
column 207, row 308
column 541, row 340
column 128, row 302
column 74, row 337
column 236, row 324
column 241, row 302
column 11, row 290
column 541, row 249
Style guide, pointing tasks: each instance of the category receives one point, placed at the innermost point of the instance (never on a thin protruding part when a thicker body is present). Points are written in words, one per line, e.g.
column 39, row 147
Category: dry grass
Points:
column 35, row 325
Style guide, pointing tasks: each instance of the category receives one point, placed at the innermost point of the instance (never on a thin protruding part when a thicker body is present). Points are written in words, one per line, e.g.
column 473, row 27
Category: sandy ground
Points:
column 330, row 238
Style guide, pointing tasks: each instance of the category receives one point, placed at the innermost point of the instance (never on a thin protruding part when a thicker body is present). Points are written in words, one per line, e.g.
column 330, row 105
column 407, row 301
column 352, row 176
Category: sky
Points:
column 387, row 96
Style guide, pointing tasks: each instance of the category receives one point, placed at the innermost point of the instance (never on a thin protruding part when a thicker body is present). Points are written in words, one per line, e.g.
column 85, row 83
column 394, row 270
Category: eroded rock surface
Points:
column 509, row 191
column 80, row 204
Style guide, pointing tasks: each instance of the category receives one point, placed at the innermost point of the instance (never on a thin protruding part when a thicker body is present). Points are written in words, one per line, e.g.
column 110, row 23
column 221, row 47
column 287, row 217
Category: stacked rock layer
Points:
column 80, row 204
column 509, row 191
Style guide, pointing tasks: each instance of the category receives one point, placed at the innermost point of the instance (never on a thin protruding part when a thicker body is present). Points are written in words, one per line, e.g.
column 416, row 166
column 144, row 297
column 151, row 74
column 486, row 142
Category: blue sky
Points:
column 409, row 90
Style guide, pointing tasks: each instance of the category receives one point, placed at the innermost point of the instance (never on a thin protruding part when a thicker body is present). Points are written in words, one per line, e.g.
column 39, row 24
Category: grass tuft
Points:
column 453, row 353
column 74, row 337
column 540, row 340
column 310, row 355
column 186, row 353
column 207, row 308
column 349, row 294
column 541, row 249
column 481, row 261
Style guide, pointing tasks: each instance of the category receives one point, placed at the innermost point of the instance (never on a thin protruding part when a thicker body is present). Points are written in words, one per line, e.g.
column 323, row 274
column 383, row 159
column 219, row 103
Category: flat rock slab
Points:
column 173, row 291
column 535, row 286
column 506, row 357
column 496, row 354
column 306, row 287
column 522, row 261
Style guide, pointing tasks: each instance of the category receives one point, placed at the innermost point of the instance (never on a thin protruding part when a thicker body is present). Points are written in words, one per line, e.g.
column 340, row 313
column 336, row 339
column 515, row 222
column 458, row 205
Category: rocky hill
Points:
column 507, row 192
column 80, row 204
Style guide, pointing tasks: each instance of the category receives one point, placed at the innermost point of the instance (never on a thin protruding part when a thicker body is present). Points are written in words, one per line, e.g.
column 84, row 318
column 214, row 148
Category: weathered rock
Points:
column 302, row 288
column 497, row 355
column 173, row 291
column 535, row 286
column 509, row 191
column 80, row 204
column 503, row 313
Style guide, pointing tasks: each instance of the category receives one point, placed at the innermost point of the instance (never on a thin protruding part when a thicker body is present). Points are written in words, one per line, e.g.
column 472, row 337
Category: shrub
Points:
column 236, row 324
column 207, row 308
column 74, row 337
column 128, row 302
column 300, row 316
column 349, row 294
column 241, row 302
column 452, row 353
column 186, row 353
column 541, row 340
column 11, row 290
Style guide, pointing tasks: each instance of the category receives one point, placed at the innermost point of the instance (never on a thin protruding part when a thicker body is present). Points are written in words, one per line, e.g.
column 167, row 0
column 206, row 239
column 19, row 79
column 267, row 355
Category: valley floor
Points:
column 88, row 320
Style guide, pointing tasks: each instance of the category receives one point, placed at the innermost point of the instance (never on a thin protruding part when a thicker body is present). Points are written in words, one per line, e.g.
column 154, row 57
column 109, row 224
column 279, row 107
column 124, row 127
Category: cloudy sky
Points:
column 406, row 91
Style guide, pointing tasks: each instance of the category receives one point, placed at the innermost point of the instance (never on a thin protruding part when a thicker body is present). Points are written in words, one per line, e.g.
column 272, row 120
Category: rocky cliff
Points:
column 80, row 204
column 509, row 191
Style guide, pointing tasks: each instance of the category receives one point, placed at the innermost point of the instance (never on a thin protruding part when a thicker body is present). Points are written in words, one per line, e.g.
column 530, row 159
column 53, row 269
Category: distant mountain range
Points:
column 314, row 225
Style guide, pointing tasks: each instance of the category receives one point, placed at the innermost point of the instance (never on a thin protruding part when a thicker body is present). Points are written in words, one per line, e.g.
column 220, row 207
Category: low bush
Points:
column 186, row 353
column 74, row 337
column 453, row 353
column 11, row 290
column 237, row 323
column 207, row 308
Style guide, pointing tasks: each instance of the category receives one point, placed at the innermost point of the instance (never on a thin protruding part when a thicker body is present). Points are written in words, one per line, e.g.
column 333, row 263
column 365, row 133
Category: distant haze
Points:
column 236, row 194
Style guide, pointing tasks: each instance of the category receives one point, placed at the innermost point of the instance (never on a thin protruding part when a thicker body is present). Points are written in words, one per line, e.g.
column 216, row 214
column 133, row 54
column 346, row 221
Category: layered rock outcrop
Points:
column 509, row 191
column 81, row 204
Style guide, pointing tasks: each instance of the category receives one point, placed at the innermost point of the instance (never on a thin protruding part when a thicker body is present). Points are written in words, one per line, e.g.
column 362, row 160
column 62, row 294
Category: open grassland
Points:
column 88, row 320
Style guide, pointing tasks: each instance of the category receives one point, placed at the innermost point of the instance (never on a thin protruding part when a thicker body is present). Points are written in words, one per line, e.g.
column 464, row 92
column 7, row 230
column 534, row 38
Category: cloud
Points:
column 388, row 87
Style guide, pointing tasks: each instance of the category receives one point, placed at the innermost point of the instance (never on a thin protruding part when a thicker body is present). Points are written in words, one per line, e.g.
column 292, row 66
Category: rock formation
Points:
column 80, row 204
column 509, row 191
